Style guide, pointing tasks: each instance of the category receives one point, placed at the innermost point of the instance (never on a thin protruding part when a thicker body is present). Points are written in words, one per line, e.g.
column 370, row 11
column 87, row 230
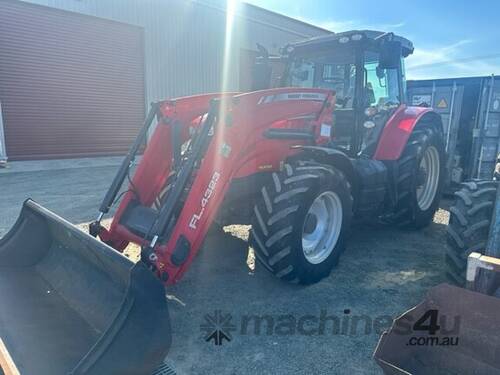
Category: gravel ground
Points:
column 383, row 272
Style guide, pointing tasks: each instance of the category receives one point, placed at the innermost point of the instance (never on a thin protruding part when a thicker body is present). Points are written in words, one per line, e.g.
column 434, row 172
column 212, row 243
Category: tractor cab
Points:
column 366, row 71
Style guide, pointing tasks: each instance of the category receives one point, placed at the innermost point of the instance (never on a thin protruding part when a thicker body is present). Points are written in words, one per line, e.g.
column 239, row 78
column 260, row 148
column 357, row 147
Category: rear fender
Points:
column 398, row 129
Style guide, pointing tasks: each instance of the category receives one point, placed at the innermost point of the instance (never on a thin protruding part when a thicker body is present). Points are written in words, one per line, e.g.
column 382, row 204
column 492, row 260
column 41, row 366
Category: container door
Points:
column 487, row 133
column 447, row 101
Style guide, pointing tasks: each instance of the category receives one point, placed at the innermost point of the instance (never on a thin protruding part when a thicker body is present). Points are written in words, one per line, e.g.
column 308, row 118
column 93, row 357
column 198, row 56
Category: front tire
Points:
column 420, row 176
column 468, row 229
column 300, row 222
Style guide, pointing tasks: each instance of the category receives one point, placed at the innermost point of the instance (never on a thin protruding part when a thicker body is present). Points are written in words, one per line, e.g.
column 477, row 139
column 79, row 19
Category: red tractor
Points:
column 337, row 141
column 298, row 162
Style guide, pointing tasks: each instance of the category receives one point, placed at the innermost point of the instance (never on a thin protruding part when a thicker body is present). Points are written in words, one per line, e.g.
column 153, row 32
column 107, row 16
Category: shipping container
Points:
column 470, row 111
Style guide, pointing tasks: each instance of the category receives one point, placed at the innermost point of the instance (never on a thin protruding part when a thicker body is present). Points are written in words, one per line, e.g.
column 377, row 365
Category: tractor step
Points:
column 70, row 304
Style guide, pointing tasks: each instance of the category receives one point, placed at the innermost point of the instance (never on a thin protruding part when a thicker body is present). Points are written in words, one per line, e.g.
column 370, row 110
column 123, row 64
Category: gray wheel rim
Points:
column 429, row 169
column 322, row 227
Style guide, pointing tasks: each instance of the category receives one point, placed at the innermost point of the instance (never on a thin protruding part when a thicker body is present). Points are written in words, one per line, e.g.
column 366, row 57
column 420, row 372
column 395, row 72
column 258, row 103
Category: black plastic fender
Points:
column 335, row 158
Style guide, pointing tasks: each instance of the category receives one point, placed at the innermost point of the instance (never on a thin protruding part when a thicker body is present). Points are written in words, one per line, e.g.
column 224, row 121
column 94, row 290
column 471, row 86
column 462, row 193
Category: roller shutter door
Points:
column 70, row 85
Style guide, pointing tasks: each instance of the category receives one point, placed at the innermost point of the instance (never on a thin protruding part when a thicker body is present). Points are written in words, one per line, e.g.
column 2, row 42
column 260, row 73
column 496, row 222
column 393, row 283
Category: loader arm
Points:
column 155, row 165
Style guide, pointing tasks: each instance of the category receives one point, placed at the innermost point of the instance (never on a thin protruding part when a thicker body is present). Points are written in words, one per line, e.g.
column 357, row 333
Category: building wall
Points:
column 185, row 39
column 70, row 85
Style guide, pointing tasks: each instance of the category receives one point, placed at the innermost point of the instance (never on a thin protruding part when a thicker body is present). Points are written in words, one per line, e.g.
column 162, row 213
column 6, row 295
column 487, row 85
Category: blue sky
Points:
column 451, row 38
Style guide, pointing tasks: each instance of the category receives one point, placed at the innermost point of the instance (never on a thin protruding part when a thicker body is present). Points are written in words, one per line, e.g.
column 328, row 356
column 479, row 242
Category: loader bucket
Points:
column 476, row 338
column 70, row 304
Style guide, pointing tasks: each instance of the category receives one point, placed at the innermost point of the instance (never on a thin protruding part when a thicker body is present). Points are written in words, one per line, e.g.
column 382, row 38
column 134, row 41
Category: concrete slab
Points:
column 73, row 193
column 50, row 165
column 384, row 272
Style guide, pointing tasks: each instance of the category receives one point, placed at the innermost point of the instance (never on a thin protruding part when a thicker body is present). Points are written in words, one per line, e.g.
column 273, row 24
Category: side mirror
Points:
column 390, row 55
column 261, row 72
column 261, row 76
column 302, row 76
column 380, row 72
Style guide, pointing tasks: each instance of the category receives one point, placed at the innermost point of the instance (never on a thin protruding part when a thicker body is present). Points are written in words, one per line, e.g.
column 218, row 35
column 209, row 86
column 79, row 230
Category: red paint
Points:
column 397, row 131
column 154, row 168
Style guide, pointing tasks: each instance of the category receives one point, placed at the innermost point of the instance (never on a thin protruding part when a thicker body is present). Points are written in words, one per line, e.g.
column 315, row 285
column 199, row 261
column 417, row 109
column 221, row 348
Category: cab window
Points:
column 334, row 70
column 381, row 85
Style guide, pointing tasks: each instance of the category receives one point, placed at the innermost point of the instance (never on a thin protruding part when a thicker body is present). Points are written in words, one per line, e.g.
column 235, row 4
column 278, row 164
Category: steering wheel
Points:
column 334, row 80
column 391, row 103
column 343, row 101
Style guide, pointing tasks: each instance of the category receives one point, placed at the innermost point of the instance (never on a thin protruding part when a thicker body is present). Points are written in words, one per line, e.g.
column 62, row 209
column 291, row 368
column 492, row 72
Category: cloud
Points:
column 346, row 25
column 333, row 25
column 450, row 61
column 389, row 26
column 339, row 26
column 426, row 56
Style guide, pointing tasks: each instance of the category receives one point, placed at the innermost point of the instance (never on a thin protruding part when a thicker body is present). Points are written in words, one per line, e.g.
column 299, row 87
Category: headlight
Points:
column 368, row 124
column 371, row 111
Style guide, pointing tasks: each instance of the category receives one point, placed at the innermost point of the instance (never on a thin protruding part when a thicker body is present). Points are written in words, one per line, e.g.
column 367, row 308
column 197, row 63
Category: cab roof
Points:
column 370, row 36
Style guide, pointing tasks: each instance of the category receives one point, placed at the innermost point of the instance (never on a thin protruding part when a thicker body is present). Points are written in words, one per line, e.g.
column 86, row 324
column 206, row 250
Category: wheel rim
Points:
column 322, row 226
column 428, row 178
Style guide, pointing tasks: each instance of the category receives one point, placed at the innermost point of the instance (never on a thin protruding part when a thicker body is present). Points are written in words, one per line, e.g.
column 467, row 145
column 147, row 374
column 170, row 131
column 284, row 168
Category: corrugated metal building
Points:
column 155, row 49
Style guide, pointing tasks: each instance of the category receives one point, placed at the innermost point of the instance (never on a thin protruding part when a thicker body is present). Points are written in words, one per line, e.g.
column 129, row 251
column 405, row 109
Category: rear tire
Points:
column 470, row 218
column 420, row 174
column 290, row 235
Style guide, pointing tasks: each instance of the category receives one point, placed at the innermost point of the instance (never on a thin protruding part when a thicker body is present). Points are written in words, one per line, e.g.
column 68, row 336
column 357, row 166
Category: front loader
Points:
column 334, row 142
